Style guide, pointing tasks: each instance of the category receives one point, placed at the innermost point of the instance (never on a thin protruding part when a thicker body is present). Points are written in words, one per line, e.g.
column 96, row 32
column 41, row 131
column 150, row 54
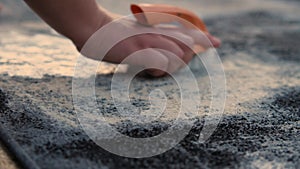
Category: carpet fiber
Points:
column 260, row 127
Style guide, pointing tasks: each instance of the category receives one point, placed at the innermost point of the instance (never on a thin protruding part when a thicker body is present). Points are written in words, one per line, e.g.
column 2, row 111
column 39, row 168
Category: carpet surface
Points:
column 260, row 127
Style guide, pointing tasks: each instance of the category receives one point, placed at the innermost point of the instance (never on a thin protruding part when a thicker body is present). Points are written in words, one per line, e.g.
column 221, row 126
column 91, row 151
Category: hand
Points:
column 153, row 57
column 79, row 20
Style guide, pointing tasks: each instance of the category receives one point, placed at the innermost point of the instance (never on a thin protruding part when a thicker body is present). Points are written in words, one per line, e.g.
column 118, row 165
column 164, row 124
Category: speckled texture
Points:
column 260, row 127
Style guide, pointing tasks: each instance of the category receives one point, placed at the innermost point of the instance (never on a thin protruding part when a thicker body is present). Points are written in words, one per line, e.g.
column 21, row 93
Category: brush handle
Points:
column 149, row 14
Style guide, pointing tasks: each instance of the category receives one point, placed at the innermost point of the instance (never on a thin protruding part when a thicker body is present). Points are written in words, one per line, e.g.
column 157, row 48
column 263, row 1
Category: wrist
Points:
column 88, row 29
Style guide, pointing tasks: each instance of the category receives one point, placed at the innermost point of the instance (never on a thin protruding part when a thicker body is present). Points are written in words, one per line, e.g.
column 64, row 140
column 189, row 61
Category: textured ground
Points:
column 260, row 127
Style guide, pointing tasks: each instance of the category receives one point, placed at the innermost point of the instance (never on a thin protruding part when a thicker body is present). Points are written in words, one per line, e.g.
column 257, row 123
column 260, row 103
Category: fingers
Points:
column 155, row 72
column 180, row 38
column 205, row 40
column 169, row 46
column 216, row 42
column 168, row 52
column 201, row 38
column 174, row 62
column 164, row 54
column 188, row 53
column 170, row 66
column 155, row 63
column 186, row 43
column 161, row 42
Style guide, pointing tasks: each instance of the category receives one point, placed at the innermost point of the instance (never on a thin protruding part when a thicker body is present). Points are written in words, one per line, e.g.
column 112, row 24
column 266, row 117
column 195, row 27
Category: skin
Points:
column 78, row 20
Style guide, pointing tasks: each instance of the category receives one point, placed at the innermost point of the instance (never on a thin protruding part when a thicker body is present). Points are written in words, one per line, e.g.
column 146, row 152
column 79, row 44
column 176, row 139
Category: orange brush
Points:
column 152, row 19
column 149, row 14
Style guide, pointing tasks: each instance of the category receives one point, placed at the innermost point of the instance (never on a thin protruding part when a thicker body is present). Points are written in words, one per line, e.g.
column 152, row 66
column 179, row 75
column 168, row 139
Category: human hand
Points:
column 162, row 46
column 79, row 20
